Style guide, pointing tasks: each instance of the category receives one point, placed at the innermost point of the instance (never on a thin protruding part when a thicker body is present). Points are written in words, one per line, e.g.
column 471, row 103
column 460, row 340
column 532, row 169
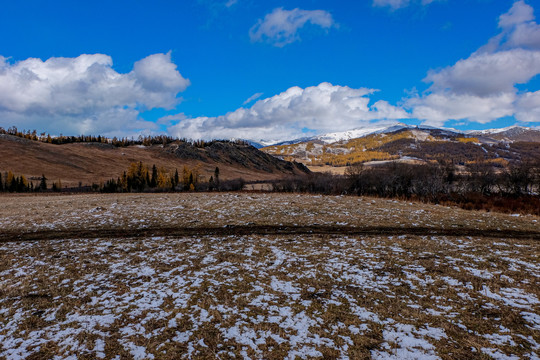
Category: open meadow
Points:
column 256, row 275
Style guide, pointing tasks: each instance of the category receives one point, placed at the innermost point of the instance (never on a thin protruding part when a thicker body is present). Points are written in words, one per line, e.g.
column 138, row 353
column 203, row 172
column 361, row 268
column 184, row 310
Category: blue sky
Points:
column 187, row 68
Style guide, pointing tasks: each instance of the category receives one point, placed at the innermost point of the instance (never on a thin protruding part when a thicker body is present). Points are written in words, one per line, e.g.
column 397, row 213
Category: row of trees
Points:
column 137, row 178
column 140, row 178
column 472, row 186
column 9, row 182
column 425, row 181
column 147, row 140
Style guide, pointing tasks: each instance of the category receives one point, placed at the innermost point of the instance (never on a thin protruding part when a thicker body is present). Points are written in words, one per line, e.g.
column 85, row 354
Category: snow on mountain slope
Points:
column 333, row 137
column 497, row 131
column 357, row 133
column 511, row 133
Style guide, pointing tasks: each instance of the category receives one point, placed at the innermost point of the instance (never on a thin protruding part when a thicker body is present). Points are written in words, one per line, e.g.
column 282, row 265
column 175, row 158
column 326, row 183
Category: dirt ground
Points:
column 273, row 276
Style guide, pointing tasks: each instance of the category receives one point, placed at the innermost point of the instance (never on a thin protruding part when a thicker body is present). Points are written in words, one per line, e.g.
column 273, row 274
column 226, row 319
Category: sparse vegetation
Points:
column 264, row 276
column 477, row 185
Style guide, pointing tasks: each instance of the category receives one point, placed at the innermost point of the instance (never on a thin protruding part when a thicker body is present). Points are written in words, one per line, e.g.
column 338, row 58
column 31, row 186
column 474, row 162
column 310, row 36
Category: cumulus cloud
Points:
column 321, row 108
column 519, row 13
column 487, row 73
column 280, row 27
column 482, row 87
column 437, row 108
column 85, row 94
column 528, row 107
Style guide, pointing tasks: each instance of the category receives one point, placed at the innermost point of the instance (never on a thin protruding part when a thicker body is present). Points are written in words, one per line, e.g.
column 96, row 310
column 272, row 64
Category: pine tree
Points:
column 185, row 177
column 1, row 183
column 11, row 182
column 24, row 183
column 211, row 183
column 176, row 179
column 43, row 183
column 153, row 181
column 216, row 178
column 163, row 179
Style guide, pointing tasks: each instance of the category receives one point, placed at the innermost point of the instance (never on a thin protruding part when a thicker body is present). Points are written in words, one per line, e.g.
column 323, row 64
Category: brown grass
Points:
column 329, row 294
column 90, row 163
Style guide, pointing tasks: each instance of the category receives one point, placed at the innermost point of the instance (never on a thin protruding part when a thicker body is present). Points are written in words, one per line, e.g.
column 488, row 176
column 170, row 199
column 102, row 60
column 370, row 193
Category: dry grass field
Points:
column 273, row 276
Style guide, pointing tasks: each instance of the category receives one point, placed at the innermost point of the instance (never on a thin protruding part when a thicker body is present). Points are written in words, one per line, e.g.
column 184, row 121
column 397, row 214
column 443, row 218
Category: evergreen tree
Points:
column 185, row 177
column 11, row 182
column 1, row 183
column 211, row 183
column 153, row 181
column 176, row 179
column 43, row 183
column 216, row 178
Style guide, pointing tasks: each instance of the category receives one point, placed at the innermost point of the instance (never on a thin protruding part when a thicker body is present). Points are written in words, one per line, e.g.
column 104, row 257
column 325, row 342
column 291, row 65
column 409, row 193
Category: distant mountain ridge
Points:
column 410, row 143
column 511, row 133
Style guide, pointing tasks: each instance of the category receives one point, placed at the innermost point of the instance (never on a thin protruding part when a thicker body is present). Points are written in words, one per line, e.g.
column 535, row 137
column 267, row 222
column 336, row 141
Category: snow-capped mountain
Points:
column 358, row 133
column 333, row 137
column 511, row 133
column 508, row 134
column 402, row 142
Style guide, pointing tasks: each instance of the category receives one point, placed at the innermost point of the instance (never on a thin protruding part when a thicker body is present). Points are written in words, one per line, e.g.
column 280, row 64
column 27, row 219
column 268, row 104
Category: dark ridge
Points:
column 234, row 153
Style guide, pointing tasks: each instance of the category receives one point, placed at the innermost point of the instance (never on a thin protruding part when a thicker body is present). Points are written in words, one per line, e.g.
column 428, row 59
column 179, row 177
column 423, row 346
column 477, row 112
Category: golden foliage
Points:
column 466, row 140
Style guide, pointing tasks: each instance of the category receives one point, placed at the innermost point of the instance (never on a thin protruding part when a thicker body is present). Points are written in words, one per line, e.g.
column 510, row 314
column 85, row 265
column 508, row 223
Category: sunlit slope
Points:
column 406, row 144
column 97, row 162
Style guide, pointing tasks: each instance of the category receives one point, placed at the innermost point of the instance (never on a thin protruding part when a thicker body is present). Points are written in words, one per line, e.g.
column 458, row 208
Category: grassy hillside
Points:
column 97, row 162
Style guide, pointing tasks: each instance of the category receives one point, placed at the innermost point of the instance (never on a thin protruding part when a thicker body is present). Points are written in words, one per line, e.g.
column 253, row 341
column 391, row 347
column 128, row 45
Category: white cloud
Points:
column 519, row 13
column 398, row 4
column 85, row 94
column 437, row 108
column 483, row 74
column 252, row 97
column 280, row 27
column 528, row 107
column 321, row 108
column 482, row 87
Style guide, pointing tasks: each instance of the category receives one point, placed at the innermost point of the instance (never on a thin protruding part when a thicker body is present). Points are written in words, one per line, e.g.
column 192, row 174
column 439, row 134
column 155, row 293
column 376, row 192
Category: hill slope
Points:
column 408, row 144
column 97, row 162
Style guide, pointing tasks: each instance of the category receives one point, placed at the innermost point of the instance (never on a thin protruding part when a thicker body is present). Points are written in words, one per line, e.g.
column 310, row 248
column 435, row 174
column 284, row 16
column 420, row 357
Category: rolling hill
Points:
column 93, row 162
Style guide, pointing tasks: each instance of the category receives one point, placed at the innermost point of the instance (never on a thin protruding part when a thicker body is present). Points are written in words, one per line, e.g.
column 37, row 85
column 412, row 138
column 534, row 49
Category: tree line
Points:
column 137, row 178
column 141, row 178
column 9, row 182
column 477, row 185
column 145, row 140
